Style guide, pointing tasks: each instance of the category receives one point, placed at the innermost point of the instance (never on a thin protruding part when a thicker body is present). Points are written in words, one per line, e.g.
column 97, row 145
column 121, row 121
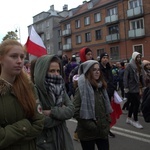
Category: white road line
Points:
column 131, row 132
column 132, row 137
column 127, row 133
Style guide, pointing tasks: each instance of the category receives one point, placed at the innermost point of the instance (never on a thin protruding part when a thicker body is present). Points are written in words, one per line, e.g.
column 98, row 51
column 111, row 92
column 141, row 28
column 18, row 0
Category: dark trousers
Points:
column 102, row 144
column 134, row 100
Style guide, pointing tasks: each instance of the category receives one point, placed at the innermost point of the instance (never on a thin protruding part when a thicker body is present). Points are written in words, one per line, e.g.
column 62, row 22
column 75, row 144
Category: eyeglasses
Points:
column 96, row 69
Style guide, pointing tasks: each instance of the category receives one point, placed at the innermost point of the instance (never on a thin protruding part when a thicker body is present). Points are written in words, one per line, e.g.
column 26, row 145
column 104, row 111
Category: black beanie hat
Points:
column 103, row 54
column 87, row 50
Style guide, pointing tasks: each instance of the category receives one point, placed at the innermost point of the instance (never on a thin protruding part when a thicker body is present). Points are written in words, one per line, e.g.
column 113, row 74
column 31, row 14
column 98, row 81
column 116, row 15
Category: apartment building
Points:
column 45, row 23
column 118, row 27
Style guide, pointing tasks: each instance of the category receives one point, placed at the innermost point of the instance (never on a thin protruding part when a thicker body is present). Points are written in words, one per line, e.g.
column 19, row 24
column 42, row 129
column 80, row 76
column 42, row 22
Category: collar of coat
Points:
column 4, row 87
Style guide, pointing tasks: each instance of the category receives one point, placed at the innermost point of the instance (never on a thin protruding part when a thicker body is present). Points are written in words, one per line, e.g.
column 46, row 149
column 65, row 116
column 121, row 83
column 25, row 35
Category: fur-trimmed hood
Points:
column 4, row 86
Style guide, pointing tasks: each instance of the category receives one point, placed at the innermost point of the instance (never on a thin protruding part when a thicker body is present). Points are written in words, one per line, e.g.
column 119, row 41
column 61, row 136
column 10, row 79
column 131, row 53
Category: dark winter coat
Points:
column 16, row 131
column 108, row 76
column 57, row 119
column 89, row 129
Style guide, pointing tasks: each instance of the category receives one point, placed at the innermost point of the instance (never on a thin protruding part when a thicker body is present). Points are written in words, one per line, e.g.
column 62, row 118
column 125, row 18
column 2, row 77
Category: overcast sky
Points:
column 18, row 14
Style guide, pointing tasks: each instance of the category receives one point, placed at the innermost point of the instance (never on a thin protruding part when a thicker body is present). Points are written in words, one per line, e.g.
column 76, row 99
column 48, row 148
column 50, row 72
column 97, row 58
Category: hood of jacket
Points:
column 40, row 71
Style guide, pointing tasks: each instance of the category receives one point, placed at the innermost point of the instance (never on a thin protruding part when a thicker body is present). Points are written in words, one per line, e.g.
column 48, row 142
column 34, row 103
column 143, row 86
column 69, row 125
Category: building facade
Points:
column 118, row 27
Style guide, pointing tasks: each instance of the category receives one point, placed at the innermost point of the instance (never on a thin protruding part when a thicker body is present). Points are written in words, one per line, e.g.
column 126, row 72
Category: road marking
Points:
column 127, row 133
column 132, row 137
column 131, row 132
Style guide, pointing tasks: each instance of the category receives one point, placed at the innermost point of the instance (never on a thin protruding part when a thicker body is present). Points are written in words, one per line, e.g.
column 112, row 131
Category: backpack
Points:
column 145, row 105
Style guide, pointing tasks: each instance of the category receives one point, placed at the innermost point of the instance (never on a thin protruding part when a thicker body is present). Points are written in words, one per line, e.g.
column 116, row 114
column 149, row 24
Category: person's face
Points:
column 104, row 60
column 96, row 72
column 88, row 56
column 54, row 69
column 138, row 58
column 13, row 61
column 148, row 66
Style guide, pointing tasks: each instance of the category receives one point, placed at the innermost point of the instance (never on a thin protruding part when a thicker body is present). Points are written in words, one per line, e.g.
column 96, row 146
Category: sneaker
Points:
column 75, row 136
column 111, row 134
column 137, row 125
column 129, row 121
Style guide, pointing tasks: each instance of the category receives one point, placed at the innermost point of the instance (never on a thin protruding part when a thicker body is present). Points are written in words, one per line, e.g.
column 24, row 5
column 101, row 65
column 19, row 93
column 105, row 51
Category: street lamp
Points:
column 17, row 30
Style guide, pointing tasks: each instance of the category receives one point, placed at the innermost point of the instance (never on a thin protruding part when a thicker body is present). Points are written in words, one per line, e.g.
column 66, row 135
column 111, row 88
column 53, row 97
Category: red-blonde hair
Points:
column 22, row 86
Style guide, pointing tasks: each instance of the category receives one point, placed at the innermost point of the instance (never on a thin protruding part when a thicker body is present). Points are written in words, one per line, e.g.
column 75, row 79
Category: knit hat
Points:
column 135, row 54
column 102, row 55
column 73, row 58
column 145, row 62
column 83, row 52
column 84, row 67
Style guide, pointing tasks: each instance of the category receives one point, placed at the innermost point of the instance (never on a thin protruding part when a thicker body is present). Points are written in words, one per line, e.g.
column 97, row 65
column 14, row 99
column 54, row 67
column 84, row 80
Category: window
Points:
column 47, row 36
column 78, row 39
column 137, row 24
column 67, row 40
column 135, row 3
column 59, row 33
column 114, row 53
column 97, row 17
column 67, row 26
column 113, row 29
column 87, row 37
column 60, row 45
column 86, row 20
column 100, row 51
column 47, row 23
column 98, row 34
column 138, row 48
column 77, row 23
column 112, row 11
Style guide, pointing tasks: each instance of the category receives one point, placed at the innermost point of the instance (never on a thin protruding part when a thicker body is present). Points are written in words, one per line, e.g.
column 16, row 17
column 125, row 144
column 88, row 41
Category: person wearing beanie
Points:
column 133, row 86
column 85, row 54
column 106, row 70
column 92, row 107
column 146, row 66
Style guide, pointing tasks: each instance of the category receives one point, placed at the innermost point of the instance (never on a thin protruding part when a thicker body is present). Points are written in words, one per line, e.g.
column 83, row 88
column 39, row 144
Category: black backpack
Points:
column 145, row 106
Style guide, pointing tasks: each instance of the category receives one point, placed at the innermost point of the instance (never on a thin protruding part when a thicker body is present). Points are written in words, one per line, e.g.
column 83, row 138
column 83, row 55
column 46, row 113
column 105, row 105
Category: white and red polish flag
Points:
column 35, row 45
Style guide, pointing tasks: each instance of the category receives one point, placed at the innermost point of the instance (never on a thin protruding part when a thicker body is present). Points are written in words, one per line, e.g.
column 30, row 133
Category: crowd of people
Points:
column 38, row 97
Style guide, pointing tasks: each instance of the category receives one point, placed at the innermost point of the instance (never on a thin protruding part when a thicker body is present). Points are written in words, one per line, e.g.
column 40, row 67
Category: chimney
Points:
column 84, row 2
column 65, row 7
column 52, row 7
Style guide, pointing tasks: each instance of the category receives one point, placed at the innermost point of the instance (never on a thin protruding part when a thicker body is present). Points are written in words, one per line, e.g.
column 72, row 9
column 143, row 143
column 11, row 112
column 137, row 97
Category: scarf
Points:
column 87, row 110
column 55, row 87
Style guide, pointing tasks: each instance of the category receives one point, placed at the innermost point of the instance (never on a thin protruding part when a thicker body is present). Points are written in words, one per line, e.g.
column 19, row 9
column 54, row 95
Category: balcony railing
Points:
column 112, row 38
column 66, row 32
column 135, row 11
column 136, row 33
column 111, row 19
column 67, row 46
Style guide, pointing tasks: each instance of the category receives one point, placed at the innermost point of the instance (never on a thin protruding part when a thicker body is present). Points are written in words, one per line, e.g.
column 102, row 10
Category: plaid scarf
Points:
column 55, row 87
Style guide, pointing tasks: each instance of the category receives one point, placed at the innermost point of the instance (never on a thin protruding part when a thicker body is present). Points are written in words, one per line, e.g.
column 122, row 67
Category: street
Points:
column 127, row 136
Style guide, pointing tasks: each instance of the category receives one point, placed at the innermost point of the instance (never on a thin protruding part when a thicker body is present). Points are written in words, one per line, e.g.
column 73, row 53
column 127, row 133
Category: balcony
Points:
column 136, row 33
column 66, row 32
column 111, row 19
column 135, row 12
column 112, row 38
column 67, row 47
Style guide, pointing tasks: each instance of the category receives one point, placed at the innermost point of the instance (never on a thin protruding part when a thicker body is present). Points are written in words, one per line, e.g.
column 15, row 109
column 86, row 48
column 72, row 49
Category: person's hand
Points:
column 47, row 112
